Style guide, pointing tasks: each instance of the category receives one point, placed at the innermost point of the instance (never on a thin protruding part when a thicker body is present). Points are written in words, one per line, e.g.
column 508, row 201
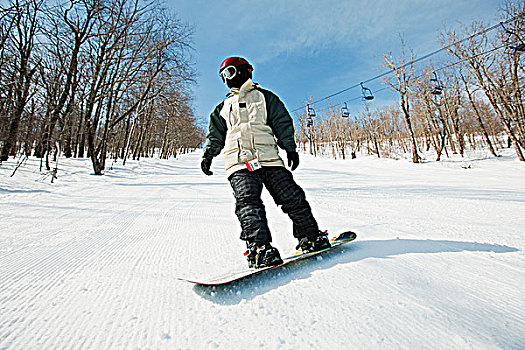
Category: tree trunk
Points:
column 405, row 107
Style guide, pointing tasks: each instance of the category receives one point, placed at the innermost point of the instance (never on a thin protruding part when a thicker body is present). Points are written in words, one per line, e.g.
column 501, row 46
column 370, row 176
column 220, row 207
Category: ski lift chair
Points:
column 310, row 112
column 367, row 93
column 309, row 122
column 436, row 88
column 344, row 111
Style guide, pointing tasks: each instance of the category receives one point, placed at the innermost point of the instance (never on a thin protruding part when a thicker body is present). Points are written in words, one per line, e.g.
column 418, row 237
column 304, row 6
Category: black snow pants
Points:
column 249, row 208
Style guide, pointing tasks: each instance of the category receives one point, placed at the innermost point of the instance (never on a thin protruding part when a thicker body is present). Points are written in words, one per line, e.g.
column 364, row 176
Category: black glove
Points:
column 205, row 166
column 293, row 159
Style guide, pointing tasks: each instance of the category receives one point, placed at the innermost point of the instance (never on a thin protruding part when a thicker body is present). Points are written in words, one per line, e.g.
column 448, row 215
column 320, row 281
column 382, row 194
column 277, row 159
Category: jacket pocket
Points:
column 266, row 147
column 231, row 155
column 263, row 138
column 257, row 112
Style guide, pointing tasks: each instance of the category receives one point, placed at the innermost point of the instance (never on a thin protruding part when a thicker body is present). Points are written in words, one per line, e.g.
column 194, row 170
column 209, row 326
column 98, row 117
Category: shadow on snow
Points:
column 252, row 286
column 9, row 191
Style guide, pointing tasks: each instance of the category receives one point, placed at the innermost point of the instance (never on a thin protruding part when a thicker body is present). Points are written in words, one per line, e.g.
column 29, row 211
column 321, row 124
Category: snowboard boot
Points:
column 314, row 244
column 262, row 254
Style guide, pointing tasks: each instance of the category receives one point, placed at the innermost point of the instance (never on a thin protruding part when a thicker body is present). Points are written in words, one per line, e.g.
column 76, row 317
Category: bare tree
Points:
column 404, row 74
column 477, row 111
column 97, row 84
column 69, row 26
column 497, row 75
column 22, row 37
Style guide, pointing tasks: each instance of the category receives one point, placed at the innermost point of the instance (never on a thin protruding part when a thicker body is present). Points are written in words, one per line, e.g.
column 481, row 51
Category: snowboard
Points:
column 336, row 241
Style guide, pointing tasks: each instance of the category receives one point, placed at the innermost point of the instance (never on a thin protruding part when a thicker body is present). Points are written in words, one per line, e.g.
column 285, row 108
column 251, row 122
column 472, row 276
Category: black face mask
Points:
column 239, row 79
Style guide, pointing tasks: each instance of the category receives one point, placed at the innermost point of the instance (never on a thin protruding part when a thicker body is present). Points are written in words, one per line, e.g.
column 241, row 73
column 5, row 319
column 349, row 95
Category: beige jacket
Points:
column 249, row 136
column 250, row 123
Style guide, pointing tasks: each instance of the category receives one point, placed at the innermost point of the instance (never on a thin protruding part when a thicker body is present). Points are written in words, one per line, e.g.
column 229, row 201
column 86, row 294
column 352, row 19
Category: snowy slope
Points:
column 92, row 262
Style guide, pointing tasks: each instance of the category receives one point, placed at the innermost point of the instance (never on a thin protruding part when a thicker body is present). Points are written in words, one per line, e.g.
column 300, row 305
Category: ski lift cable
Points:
column 435, row 52
column 419, row 76
column 467, row 58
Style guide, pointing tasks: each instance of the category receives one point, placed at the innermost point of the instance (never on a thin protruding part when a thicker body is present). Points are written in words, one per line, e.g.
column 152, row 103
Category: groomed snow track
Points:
column 92, row 262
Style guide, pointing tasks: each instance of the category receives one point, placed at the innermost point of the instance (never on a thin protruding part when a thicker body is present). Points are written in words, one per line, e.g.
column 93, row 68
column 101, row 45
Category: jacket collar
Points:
column 248, row 85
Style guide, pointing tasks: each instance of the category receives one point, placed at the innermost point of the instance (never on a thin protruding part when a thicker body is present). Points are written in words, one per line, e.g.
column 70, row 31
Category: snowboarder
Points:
column 249, row 125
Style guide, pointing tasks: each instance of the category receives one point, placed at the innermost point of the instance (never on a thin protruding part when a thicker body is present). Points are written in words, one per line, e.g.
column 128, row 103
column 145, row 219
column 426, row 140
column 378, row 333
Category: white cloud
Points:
column 274, row 28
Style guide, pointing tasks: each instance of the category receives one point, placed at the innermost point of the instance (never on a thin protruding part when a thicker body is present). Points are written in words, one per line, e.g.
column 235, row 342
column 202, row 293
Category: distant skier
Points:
column 249, row 125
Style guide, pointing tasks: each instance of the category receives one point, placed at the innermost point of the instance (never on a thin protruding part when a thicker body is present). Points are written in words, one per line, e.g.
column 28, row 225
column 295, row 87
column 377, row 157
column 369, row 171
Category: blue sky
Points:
column 315, row 48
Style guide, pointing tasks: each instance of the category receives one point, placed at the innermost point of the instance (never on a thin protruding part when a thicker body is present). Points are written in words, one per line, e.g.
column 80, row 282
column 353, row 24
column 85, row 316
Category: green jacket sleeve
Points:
column 280, row 121
column 216, row 133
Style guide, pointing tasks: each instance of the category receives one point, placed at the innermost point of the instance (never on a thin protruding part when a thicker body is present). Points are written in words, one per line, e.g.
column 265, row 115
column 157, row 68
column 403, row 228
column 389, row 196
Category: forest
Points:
column 95, row 78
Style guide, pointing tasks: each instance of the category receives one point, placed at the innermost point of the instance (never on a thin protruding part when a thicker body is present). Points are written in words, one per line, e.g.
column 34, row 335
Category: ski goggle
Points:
column 228, row 73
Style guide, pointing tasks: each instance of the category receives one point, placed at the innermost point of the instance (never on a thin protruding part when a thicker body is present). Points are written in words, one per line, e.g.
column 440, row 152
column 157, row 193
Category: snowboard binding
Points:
column 261, row 255
column 314, row 244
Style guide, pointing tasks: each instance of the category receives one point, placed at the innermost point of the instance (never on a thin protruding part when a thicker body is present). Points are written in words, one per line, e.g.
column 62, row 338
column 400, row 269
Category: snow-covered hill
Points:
column 92, row 262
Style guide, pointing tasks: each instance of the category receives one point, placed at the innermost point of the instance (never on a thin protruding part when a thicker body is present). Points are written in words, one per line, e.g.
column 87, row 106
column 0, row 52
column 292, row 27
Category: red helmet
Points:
column 235, row 61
